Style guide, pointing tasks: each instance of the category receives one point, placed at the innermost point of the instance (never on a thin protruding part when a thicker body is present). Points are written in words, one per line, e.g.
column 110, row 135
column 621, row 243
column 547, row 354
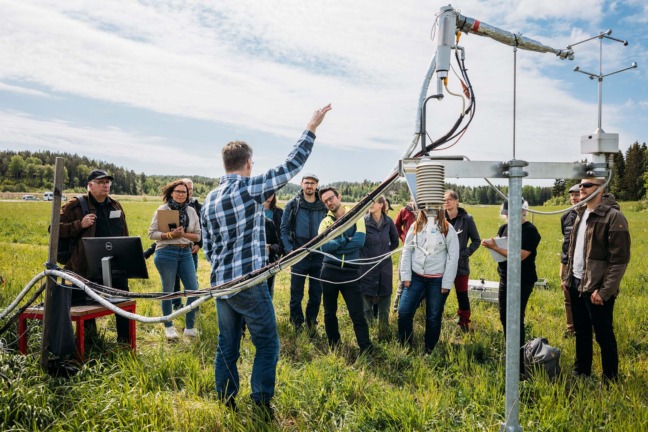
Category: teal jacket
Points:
column 345, row 247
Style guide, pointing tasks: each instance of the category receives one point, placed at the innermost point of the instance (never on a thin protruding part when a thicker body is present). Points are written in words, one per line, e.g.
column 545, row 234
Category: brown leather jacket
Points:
column 71, row 215
column 607, row 249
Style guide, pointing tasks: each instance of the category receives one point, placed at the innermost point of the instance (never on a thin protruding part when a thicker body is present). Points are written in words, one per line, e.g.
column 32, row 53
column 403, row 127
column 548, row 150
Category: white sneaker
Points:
column 171, row 333
column 191, row 332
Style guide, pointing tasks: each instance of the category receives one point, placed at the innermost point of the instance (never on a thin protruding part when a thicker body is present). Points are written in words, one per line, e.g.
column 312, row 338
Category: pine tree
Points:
column 616, row 185
column 633, row 185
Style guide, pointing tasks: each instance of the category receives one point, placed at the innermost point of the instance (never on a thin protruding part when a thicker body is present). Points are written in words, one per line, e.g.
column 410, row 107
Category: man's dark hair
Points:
column 235, row 155
column 327, row 189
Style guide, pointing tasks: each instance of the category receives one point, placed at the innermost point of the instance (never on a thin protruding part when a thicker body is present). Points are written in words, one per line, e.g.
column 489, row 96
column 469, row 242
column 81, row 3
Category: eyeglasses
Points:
column 309, row 183
column 180, row 192
column 102, row 182
column 587, row 185
column 448, row 200
column 329, row 199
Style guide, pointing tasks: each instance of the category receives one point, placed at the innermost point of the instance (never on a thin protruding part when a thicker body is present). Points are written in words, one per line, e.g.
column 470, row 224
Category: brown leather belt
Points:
column 179, row 246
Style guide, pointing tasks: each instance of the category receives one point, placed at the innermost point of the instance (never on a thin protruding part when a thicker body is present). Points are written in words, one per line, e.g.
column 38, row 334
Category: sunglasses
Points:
column 587, row 185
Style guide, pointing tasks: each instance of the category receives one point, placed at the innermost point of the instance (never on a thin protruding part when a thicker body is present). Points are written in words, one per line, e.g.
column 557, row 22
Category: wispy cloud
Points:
column 264, row 66
column 21, row 130
column 23, row 90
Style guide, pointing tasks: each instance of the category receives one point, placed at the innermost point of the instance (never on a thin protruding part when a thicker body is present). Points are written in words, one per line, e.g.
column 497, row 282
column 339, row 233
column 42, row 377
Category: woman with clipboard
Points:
column 175, row 228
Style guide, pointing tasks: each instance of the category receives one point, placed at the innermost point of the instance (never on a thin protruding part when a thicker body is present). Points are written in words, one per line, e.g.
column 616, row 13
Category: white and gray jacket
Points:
column 429, row 252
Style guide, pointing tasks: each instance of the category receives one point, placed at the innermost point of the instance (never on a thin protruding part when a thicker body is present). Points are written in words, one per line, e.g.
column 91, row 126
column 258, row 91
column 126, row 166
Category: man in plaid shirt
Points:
column 234, row 243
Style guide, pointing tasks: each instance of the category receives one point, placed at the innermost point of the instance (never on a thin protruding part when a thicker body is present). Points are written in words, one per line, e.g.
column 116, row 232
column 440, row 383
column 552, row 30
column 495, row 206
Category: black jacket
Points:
column 466, row 229
column 273, row 238
column 193, row 202
column 381, row 238
column 567, row 225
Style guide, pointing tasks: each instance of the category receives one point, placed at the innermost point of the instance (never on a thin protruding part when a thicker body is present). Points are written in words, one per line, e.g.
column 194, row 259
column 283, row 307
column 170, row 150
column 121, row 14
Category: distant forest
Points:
column 26, row 171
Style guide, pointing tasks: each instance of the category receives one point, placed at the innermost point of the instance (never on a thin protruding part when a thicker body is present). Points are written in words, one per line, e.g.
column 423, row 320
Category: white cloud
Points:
column 264, row 66
column 110, row 144
column 23, row 90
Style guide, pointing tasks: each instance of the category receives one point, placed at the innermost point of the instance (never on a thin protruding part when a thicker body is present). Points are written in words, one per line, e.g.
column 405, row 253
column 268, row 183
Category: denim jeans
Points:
column 430, row 290
column 352, row 297
column 254, row 306
column 311, row 266
column 587, row 315
column 172, row 261
column 177, row 302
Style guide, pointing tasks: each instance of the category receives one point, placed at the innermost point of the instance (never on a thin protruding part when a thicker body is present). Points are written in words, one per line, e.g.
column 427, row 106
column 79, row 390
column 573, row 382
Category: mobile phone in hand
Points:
column 172, row 226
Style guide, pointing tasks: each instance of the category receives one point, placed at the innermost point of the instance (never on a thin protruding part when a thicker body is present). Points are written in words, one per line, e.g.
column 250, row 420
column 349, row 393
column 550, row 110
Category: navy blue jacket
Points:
column 300, row 221
column 381, row 238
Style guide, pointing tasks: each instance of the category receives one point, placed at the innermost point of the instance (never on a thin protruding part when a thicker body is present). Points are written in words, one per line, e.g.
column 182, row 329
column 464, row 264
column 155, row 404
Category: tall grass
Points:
column 460, row 386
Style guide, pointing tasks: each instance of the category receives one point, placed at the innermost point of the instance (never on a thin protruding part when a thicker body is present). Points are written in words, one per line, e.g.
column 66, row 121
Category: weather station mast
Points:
column 425, row 174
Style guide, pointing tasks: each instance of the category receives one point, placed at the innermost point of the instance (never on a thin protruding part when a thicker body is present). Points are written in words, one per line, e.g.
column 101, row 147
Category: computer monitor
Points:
column 127, row 259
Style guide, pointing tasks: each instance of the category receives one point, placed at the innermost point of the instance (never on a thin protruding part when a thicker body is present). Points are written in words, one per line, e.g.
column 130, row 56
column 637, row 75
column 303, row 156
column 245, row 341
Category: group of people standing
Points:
column 241, row 230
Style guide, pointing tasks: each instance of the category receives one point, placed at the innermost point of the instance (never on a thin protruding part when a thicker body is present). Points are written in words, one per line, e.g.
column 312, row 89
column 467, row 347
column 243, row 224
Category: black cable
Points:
column 23, row 308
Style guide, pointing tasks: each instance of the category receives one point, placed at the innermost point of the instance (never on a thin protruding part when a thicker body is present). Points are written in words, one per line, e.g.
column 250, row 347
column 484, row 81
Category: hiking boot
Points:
column 170, row 333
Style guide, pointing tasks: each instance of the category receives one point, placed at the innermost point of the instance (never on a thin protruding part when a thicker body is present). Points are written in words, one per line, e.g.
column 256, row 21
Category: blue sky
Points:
column 159, row 87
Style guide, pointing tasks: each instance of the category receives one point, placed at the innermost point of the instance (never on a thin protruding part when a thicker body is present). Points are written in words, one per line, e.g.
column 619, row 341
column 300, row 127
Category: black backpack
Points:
column 538, row 354
column 67, row 244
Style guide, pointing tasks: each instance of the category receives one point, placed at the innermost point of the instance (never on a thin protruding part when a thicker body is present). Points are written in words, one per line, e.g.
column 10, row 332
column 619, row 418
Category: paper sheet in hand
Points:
column 165, row 217
column 500, row 242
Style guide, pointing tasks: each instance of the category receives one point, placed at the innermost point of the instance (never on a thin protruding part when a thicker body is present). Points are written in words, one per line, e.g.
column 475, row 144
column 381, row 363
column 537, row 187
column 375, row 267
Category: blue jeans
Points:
column 172, row 261
column 420, row 288
column 254, row 306
column 177, row 302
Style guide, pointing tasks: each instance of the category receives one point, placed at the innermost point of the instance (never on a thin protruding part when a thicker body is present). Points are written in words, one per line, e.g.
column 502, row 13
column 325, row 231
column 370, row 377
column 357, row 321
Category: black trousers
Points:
column 526, row 290
column 352, row 297
column 600, row 317
column 123, row 333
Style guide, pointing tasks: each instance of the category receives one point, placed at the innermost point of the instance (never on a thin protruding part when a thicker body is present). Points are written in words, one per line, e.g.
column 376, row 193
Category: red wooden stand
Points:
column 78, row 314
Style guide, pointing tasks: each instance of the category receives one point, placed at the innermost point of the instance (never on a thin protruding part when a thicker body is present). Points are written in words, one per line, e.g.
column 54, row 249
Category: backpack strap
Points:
column 83, row 202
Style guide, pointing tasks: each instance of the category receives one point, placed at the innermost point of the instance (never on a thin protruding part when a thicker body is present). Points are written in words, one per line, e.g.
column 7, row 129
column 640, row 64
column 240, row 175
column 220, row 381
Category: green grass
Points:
column 459, row 387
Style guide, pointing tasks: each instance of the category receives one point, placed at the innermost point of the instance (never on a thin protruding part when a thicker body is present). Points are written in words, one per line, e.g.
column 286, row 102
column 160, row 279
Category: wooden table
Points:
column 79, row 315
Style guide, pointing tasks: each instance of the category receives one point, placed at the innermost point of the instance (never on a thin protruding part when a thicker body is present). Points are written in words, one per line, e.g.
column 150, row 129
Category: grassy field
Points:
column 459, row 387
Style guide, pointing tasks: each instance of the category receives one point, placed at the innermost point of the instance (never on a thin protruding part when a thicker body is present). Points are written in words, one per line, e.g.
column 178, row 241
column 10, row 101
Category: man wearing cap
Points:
column 105, row 218
column 566, row 225
column 299, row 224
column 599, row 253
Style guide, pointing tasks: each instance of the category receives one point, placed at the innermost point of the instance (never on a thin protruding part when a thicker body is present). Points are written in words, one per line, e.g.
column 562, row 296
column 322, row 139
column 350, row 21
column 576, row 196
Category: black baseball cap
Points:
column 99, row 174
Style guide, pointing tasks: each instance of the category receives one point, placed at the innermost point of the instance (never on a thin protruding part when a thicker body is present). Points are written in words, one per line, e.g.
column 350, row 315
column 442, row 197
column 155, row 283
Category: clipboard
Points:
column 500, row 242
column 166, row 217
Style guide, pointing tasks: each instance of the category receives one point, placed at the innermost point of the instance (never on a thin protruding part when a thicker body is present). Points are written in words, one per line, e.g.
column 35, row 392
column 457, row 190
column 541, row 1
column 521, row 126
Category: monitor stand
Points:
column 106, row 271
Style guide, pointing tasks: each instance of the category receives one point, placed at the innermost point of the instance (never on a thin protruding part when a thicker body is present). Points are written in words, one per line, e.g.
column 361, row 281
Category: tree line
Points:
column 23, row 171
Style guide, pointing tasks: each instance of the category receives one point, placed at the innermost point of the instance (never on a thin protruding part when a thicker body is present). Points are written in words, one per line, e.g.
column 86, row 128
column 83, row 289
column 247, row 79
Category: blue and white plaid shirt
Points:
column 233, row 222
